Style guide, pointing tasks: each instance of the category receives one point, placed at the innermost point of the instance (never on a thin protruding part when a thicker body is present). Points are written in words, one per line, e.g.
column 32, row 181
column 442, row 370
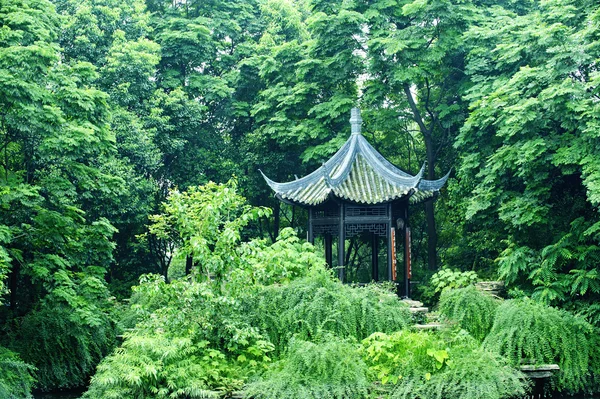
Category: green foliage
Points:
column 309, row 306
column 207, row 222
column 447, row 278
column 472, row 309
column 188, row 341
column 474, row 373
column 527, row 173
column 528, row 332
column 263, row 264
column 64, row 349
column 329, row 368
column 429, row 365
column 16, row 380
column 394, row 357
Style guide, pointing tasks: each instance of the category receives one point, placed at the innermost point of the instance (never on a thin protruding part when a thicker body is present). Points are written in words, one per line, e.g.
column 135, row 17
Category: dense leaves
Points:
column 16, row 378
column 329, row 368
column 114, row 110
column 471, row 309
column 427, row 365
column 319, row 303
column 528, row 332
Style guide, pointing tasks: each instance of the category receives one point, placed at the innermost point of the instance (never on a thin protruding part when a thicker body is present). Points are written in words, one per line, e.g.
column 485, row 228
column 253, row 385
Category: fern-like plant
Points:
column 319, row 302
column 472, row 373
column 472, row 309
column 331, row 368
column 16, row 378
column 528, row 332
column 188, row 342
column 64, row 349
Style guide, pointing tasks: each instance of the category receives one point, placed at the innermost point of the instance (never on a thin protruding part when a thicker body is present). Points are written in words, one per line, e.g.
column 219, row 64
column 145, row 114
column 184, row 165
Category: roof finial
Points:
column 355, row 120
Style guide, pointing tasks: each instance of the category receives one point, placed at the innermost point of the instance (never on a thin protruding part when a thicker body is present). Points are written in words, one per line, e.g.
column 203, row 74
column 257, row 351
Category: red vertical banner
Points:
column 408, row 252
column 393, row 235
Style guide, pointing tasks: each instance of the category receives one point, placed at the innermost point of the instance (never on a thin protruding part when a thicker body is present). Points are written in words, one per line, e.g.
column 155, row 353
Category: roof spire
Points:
column 355, row 120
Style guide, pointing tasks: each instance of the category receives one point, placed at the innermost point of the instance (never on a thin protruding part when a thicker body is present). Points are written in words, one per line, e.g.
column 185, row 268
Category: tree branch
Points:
column 416, row 114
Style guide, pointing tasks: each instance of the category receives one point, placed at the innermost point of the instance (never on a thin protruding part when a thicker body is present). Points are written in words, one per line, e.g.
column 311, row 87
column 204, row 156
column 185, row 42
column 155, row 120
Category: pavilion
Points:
column 357, row 192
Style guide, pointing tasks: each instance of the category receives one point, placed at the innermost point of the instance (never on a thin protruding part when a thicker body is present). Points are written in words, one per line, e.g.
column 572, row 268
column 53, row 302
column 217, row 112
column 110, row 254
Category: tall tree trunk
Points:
column 276, row 221
column 429, row 206
column 189, row 263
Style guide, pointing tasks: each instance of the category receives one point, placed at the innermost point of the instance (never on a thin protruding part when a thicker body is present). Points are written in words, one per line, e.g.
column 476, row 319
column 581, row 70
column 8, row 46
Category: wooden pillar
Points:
column 389, row 241
column 407, row 258
column 375, row 257
column 311, row 237
column 341, row 244
column 328, row 250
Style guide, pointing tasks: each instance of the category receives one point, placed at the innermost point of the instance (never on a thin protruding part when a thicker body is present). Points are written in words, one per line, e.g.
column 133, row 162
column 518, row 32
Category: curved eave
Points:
column 428, row 189
column 359, row 174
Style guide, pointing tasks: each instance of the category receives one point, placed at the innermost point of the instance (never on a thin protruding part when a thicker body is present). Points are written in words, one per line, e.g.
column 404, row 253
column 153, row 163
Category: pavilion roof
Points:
column 357, row 173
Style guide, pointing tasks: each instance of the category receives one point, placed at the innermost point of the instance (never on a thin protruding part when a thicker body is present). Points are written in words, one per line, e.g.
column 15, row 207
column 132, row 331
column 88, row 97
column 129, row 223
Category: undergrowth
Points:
column 471, row 373
column 330, row 368
column 188, row 342
column 472, row 309
column 528, row 332
column 16, row 378
column 308, row 306
column 64, row 348
column 429, row 365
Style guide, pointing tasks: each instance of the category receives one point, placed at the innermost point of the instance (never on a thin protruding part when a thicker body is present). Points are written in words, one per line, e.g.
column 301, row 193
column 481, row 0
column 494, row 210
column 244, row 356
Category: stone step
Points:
column 412, row 303
column 539, row 371
column 417, row 310
column 429, row 326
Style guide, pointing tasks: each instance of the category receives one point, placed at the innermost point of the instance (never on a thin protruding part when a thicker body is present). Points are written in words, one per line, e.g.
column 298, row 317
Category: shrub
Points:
column 525, row 331
column 16, row 378
column 263, row 264
column 428, row 365
column 393, row 357
column 319, row 302
column 331, row 368
column 472, row 309
column 188, row 342
column 472, row 373
column 447, row 278
column 64, row 348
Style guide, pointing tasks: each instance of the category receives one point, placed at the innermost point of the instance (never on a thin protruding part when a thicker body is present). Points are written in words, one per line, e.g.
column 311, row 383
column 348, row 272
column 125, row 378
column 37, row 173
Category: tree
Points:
column 415, row 61
column 56, row 147
column 530, row 150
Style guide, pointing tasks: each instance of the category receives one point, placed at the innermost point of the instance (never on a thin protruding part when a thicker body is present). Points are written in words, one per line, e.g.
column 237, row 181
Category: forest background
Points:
column 107, row 105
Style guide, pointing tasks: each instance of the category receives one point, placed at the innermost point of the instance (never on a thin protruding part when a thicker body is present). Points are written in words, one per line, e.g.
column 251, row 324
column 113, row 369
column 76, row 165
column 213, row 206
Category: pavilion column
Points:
column 407, row 264
column 311, row 236
column 341, row 244
column 375, row 257
column 328, row 250
column 390, row 242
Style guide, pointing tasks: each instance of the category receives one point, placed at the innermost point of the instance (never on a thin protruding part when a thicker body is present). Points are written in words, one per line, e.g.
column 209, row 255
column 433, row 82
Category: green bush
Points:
column 393, row 357
column 330, row 368
column 447, row 278
column 188, row 342
column 472, row 309
column 428, row 365
column 64, row 348
column 262, row 263
column 528, row 332
column 472, row 373
column 319, row 302
column 16, row 378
